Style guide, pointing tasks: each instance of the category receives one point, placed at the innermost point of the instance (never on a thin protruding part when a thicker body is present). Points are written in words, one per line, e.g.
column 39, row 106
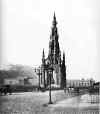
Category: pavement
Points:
column 37, row 103
column 79, row 101
column 83, row 104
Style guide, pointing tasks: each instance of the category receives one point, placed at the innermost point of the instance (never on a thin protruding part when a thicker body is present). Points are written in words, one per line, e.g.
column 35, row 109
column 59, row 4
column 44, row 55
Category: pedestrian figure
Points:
column 64, row 90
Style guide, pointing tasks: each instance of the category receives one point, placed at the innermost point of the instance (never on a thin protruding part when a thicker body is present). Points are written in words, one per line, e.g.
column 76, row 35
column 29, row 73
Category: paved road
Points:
column 37, row 103
column 84, row 104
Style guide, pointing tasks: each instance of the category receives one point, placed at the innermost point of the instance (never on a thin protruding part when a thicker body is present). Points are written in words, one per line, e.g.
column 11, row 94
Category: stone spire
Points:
column 59, row 58
column 63, row 70
column 54, row 20
column 54, row 43
column 43, row 57
column 63, row 57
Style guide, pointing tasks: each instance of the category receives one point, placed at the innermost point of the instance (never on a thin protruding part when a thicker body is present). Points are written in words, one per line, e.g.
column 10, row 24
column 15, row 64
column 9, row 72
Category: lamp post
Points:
column 39, row 73
column 44, row 68
column 50, row 71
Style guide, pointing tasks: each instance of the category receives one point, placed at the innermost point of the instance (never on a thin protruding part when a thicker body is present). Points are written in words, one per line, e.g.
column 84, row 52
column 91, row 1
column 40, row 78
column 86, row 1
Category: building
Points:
column 11, row 81
column 96, row 85
column 80, row 83
column 54, row 60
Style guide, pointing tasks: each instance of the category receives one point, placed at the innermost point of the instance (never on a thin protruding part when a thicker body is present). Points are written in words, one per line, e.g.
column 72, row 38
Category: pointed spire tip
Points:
column 54, row 15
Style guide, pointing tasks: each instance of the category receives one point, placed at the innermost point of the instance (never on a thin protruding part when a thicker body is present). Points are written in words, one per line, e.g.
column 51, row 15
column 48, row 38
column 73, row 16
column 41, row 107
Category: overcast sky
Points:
column 26, row 27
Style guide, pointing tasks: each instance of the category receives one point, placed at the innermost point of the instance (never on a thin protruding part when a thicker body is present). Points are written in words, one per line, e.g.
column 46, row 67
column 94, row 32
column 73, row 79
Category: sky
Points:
column 26, row 27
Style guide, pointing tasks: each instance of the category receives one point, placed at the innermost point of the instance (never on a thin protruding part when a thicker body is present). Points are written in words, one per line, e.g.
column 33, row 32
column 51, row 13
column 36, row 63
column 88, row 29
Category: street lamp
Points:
column 39, row 73
column 44, row 68
column 50, row 71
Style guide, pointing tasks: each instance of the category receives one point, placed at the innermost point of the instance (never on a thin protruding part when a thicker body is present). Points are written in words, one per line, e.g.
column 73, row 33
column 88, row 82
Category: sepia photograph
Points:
column 49, row 56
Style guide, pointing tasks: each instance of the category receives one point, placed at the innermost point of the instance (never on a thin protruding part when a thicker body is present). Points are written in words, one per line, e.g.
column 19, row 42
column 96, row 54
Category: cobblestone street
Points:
column 37, row 103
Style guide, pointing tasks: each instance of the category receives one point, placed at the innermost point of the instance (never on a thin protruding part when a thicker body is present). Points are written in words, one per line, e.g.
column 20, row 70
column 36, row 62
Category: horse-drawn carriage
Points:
column 5, row 89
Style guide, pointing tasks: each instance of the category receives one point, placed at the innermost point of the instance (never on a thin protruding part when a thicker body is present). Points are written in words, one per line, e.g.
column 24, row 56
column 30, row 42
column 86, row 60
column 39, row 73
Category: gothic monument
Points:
column 54, row 59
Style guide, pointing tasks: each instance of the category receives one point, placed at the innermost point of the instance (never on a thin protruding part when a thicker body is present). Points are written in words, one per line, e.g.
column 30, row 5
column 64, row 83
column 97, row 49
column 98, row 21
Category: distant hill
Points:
column 18, row 71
